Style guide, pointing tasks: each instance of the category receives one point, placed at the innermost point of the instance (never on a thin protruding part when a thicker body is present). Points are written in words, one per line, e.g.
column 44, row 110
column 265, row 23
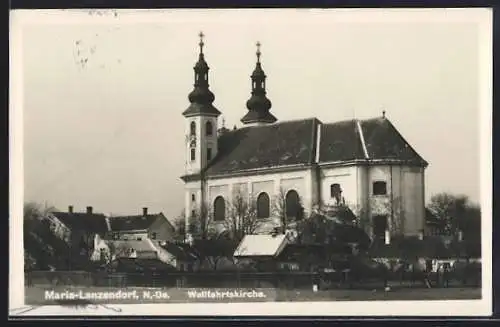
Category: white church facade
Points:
column 364, row 164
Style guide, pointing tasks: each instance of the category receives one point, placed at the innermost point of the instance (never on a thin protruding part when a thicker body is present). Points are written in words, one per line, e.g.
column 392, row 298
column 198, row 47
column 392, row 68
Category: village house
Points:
column 365, row 164
column 139, row 236
column 142, row 226
column 85, row 231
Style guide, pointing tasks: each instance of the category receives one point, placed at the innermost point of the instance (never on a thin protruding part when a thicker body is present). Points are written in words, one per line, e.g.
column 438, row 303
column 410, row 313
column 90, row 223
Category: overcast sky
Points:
column 110, row 133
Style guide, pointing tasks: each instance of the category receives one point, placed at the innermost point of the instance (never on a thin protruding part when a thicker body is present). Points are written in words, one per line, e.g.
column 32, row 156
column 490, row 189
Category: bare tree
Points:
column 279, row 209
column 242, row 215
column 180, row 226
column 200, row 222
column 450, row 210
column 288, row 216
column 212, row 251
column 362, row 217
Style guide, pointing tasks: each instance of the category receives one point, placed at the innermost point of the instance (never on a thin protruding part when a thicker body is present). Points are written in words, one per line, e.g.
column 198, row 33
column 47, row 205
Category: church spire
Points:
column 201, row 97
column 258, row 105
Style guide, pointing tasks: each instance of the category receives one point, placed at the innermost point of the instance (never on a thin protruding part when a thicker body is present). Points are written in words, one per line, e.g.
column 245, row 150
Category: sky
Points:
column 110, row 133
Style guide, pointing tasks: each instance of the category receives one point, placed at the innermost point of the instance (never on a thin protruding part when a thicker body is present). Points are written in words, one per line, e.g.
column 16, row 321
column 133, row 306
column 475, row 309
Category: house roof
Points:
column 261, row 245
column 294, row 143
column 94, row 222
column 180, row 251
column 139, row 246
column 135, row 222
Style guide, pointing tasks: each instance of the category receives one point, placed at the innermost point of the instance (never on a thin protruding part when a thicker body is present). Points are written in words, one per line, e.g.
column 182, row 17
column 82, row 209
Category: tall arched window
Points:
column 219, row 209
column 293, row 207
column 336, row 192
column 192, row 128
column 263, row 205
column 209, row 128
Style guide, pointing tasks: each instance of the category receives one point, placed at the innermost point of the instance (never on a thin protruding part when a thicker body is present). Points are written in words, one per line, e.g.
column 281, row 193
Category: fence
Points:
column 281, row 280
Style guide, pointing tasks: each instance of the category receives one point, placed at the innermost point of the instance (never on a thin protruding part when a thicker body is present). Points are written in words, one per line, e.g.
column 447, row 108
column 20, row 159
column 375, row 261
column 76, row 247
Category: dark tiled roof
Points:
column 137, row 222
column 383, row 141
column 294, row 143
column 95, row 222
column 281, row 144
column 340, row 141
column 180, row 251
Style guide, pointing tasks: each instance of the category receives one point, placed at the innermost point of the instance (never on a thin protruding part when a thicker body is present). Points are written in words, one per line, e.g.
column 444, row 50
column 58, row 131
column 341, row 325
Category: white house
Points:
column 366, row 164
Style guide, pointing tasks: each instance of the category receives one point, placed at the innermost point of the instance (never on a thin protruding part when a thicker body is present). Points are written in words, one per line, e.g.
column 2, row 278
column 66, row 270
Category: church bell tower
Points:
column 201, row 119
column 200, row 139
column 258, row 105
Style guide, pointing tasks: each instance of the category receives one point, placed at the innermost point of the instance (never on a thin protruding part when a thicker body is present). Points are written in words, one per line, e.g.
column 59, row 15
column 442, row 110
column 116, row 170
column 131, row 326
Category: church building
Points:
column 365, row 164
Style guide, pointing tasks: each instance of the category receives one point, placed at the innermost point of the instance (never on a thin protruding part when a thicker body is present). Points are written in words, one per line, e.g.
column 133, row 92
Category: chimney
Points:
column 387, row 237
column 89, row 210
column 70, row 209
column 144, row 211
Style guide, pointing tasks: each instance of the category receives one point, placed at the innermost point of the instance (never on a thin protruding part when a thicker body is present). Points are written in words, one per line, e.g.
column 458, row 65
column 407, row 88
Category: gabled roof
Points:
column 134, row 222
column 138, row 246
column 261, row 246
column 89, row 222
column 294, row 144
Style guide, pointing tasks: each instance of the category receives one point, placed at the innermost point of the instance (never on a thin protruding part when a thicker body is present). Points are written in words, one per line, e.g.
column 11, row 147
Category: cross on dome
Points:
column 201, row 35
column 258, row 51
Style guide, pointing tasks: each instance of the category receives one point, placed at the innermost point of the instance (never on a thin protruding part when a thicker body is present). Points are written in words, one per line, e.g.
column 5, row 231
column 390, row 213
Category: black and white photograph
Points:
column 251, row 162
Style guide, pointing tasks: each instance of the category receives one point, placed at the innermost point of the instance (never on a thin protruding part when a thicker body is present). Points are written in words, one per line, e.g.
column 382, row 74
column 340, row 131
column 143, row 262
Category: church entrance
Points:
column 379, row 226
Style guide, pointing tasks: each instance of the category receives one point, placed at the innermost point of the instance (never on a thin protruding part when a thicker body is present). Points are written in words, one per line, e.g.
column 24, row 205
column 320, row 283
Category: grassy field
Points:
column 33, row 295
column 411, row 294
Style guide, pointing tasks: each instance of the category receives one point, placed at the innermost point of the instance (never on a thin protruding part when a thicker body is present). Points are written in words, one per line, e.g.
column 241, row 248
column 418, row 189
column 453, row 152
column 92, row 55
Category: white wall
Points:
column 347, row 177
column 405, row 188
column 202, row 143
column 99, row 245
column 272, row 184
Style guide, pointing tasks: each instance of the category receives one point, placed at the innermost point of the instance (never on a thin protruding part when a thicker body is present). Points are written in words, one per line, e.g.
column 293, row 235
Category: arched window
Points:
column 292, row 203
column 209, row 128
column 219, row 209
column 192, row 128
column 263, row 205
column 336, row 192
